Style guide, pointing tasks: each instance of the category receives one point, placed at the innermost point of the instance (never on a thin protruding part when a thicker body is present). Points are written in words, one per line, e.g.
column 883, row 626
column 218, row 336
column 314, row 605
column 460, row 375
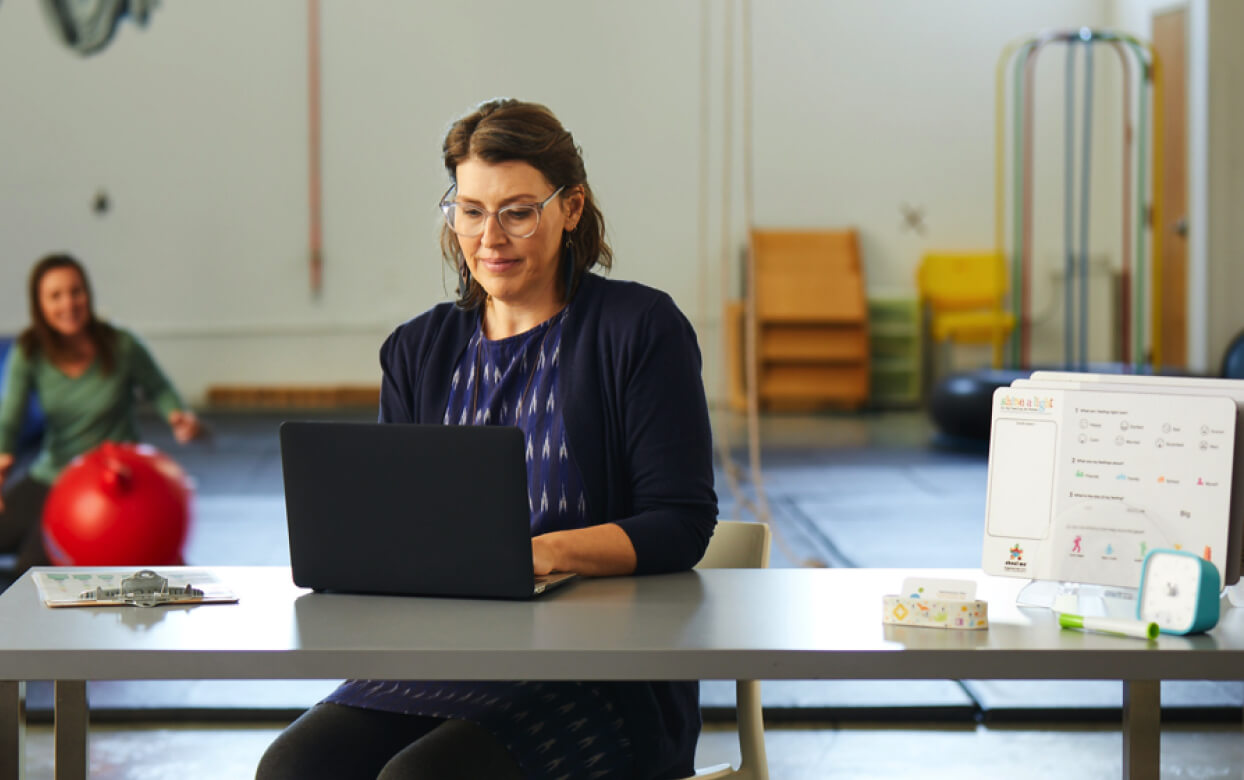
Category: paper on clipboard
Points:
column 1083, row 483
column 67, row 588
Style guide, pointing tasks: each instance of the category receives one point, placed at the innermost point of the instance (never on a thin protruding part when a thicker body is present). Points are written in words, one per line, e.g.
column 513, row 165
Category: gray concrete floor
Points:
column 797, row 751
column 835, row 484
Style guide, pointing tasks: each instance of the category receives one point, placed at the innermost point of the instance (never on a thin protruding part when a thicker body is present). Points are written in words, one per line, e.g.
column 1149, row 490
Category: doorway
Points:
column 1169, row 40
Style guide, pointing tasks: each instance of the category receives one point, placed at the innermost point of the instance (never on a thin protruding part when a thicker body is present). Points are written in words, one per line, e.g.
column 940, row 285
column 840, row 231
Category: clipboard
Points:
column 143, row 588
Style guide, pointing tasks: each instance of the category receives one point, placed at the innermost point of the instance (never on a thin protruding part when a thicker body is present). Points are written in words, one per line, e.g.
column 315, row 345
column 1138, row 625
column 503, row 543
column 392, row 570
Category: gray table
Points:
column 715, row 624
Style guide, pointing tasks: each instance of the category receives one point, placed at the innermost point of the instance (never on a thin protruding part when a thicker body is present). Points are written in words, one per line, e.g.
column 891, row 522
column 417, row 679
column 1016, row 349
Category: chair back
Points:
column 737, row 545
column 959, row 281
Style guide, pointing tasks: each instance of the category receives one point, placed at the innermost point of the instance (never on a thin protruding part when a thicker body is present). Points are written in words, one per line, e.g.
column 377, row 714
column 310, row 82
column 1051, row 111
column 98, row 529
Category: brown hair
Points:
column 41, row 337
column 505, row 130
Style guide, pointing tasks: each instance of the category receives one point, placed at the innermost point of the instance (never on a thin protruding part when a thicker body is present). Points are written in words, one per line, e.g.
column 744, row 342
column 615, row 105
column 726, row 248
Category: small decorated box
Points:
column 936, row 604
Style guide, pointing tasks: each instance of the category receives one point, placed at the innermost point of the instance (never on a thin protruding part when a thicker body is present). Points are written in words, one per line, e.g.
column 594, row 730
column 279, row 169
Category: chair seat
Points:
column 972, row 327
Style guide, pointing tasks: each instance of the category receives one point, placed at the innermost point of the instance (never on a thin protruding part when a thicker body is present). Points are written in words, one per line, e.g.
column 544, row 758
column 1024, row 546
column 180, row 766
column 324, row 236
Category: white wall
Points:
column 196, row 127
column 864, row 107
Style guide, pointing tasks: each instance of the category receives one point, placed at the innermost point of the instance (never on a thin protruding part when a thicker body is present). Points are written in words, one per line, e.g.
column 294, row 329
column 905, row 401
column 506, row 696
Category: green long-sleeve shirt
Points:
column 83, row 412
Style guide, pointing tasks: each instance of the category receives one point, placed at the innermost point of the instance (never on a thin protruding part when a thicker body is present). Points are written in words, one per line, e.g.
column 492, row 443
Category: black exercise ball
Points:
column 961, row 405
column 1233, row 360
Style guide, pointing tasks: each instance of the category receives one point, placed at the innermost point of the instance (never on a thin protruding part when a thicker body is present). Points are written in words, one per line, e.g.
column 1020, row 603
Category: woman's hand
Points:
column 542, row 556
column 6, row 463
column 185, row 426
column 595, row 551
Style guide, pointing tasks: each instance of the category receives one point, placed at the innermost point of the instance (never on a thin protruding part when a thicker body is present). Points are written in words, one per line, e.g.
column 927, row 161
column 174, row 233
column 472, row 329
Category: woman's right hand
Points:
column 6, row 463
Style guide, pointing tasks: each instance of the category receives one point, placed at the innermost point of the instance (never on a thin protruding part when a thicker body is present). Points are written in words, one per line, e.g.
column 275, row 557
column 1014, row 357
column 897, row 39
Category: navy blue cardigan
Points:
column 637, row 424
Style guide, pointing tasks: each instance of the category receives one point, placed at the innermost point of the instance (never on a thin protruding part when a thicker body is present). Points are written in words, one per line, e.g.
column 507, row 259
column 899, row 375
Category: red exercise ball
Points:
column 118, row 505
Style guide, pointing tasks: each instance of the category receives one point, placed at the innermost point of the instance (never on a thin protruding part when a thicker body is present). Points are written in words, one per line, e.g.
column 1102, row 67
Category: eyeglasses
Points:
column 518, row 220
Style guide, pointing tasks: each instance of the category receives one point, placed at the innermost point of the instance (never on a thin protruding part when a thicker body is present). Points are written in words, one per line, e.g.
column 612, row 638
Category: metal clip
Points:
column 144, row 589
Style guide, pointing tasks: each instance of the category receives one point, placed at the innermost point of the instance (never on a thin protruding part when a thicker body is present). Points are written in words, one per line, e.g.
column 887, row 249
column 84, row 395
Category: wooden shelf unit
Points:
column 811, row 321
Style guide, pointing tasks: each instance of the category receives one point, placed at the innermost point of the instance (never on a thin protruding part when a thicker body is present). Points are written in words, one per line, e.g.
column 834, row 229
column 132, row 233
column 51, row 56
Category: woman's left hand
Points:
column 185, row 425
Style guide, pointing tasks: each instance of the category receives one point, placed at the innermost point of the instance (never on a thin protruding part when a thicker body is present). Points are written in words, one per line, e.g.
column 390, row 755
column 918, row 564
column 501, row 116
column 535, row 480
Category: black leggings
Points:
column 21, row 523
column 336, row 742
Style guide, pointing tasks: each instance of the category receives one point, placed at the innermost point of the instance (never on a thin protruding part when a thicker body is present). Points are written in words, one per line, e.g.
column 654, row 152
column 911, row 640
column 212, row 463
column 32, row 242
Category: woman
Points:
column 603, row 377
column 84, row 372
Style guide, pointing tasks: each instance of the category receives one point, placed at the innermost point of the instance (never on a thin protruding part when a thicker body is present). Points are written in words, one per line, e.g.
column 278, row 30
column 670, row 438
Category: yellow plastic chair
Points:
column 963, row 293
column 740, row 545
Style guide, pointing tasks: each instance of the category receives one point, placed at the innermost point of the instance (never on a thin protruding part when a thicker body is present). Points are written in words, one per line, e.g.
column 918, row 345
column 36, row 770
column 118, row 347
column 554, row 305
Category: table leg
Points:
column 1142, row 729
column 12, row 730
column 70, row 730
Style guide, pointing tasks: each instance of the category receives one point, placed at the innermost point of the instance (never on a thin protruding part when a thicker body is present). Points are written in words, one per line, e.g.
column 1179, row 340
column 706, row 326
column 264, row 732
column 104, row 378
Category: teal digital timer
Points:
column 1179, row 591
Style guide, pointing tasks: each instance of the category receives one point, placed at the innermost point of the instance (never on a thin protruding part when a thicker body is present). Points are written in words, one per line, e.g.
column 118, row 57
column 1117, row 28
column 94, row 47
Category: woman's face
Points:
column 64, row 302
column 516, row 271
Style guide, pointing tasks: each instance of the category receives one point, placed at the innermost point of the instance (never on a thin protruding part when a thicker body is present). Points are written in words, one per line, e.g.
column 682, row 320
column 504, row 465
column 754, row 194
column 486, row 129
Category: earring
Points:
column 568, row 270
column 464, row 278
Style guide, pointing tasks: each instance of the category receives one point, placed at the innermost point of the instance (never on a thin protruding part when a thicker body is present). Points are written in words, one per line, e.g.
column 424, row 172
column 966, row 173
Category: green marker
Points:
column 1119, row 626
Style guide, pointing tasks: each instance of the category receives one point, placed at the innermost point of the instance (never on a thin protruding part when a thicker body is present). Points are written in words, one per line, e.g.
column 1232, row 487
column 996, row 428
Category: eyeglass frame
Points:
column 539, row 206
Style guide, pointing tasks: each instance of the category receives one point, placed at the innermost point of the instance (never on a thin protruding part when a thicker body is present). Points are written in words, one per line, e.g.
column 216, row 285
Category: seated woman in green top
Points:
column 85, row 373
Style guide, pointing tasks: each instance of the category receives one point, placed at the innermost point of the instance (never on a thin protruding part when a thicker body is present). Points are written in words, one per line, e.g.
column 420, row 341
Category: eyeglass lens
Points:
column 520, row 221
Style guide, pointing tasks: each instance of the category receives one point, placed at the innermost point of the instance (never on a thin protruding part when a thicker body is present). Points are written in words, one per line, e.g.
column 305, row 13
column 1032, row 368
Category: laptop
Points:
column 412, row 510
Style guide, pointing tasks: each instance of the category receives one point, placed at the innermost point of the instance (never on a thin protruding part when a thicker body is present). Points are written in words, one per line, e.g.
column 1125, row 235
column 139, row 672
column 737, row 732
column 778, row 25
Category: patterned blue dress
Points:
column 555, row 730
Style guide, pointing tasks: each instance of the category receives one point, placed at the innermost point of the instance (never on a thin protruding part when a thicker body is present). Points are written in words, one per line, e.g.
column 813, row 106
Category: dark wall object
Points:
column 87, row 26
